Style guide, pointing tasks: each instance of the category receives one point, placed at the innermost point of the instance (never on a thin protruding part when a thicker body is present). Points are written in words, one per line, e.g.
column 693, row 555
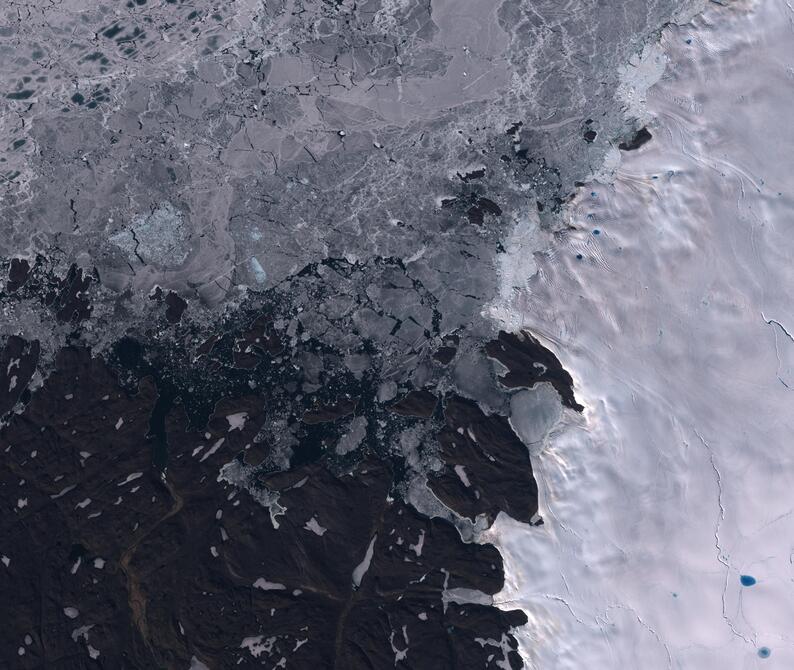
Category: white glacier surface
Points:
column 677, row 326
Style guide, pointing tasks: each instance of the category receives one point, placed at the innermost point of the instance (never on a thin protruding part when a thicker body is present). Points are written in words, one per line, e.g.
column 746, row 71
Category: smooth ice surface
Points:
column 677, row 325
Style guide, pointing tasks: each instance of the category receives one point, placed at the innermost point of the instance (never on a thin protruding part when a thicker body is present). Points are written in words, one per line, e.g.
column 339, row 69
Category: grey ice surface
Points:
column 202, row 147
column 534, row 413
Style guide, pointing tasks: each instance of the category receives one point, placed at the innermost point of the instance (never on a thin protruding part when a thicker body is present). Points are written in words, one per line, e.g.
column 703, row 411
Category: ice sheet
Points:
column 677, row 326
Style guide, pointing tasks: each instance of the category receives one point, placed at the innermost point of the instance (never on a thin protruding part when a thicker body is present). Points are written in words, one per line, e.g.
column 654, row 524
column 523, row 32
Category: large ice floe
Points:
column 668, row 539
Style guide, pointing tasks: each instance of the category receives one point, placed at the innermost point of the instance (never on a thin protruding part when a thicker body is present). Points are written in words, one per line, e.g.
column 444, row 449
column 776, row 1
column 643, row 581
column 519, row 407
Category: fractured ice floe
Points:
column 361, row 569
column 265, row 585
column 314, row 526
column 160, row 238
column 257, row 270
column 196, row 664
column 130, row 478
column 244, row 476
column 237, row 420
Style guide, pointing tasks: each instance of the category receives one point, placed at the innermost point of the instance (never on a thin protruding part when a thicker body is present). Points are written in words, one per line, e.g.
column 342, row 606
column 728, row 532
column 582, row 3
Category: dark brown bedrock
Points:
column 529, row 362
column 421, row 404
column 162, row 596
column 18, row 360
column 641, row 137
column 487, row 466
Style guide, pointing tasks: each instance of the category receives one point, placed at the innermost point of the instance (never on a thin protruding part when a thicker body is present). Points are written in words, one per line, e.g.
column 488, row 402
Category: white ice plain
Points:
column 677, row 325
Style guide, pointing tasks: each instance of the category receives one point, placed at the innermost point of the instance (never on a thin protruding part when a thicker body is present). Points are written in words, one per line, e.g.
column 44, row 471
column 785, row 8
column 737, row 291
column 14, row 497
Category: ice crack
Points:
column 775, row 322
column 650, row 629
column 721, row 556
column 562, row 600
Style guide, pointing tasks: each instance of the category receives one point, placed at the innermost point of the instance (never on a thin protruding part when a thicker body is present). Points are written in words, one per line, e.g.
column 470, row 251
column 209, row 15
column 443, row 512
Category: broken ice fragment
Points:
column 361, row 568
column 258, row 271
column 265, row 585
